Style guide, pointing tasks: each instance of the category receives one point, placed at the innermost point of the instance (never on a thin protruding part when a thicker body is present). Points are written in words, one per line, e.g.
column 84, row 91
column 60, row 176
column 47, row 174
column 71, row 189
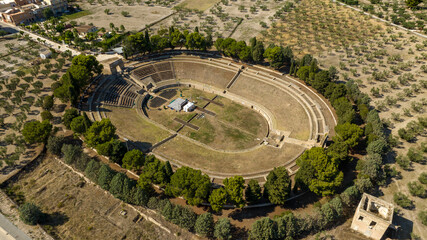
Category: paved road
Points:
column 8, row 231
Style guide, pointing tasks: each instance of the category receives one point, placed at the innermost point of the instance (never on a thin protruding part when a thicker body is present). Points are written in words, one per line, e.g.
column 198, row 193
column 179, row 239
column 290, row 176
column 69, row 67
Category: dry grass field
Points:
column 290, row 116
column 80, row 210
column 139, row 15
column 135, row 126
column 200, row 5
column 261, row 159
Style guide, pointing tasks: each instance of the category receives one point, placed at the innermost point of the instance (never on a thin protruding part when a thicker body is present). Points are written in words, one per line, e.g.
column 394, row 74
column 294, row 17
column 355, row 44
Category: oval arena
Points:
column 213, row 114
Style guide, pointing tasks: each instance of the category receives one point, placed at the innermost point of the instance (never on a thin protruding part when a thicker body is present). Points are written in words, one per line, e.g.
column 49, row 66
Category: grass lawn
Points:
column 131, row 124
column 75, row 15
column 201, row 5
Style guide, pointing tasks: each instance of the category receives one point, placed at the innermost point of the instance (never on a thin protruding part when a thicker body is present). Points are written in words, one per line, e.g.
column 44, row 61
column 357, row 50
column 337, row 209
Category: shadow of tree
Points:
column 55, row 219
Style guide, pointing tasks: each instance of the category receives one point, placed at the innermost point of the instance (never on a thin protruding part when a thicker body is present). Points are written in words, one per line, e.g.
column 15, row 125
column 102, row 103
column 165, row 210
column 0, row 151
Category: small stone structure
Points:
column 113, row 66
column 373, row 217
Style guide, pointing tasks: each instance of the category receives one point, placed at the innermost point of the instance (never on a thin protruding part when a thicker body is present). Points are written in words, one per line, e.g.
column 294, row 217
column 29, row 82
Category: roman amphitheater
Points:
column 247, row 119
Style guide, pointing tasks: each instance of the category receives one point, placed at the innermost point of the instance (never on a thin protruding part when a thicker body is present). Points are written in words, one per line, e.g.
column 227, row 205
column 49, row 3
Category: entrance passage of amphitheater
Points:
column 118, row 63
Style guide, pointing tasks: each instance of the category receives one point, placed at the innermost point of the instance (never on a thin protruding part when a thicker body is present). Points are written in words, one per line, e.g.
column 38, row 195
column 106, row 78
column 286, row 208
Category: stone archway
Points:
column 115, row 64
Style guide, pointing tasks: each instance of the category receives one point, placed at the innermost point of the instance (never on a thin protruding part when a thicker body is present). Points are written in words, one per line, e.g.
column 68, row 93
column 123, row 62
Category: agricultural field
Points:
column 398, row 13
column 313, row 27
column 390, row 66
column 23, row 87
column 238, row 19
column 78, row 209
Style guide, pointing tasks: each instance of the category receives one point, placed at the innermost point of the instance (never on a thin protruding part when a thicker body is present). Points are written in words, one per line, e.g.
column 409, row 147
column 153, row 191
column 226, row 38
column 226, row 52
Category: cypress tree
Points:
column 291, row 70
column 104, row 177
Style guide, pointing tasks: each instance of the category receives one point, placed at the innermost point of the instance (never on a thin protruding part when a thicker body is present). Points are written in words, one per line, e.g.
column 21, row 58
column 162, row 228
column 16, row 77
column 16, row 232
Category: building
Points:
column 17, row 16
column 190, row 106
column 57, row 6
column 177, row 104
column 373, row 217
column 85, row 29
column 25, row 11
column 21, row 3
column 45, row 54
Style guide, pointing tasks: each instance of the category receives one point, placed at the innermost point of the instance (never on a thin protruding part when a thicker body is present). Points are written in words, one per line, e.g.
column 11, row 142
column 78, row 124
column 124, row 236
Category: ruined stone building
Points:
column 373, row 217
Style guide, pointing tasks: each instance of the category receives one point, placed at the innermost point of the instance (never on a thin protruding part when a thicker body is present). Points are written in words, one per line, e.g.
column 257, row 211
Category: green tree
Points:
column 80, row 124
column 100, row 132
column 30, row 214
column 348, row 133
column 417, row 189
column 46, row 115
column 379, row 146
column 413, row 3
column 68, row 117
column 54, row 144
column 303, row 73
column 423, row 178
column 141, row 197
column 36, row 132
column 370, row 167
column 278, row 186
column 234, row 187
column 195, row 41
column 71, row 153
column 117, row 185
column 403, row 200
column 263, row 229
column 321, row 172
column 154, row 172
column 92, row 170
column 133, row 159
column 90, row 62
column 105, row 175
column 287, row 226
column 275, row 56
column 218, row 199
column 204, row 225
column 167, row 211
column 222, row 229
column 48, row 102
column 47, row 13
column 258, row 52
column 338, row 150
column 423, row 217
column 191, row 184
column 253, row 191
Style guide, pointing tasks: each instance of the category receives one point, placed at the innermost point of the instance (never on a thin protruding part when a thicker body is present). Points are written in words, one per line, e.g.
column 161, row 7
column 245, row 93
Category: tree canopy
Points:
column 218, row 199
column 191, row 184
column 30, row 214
column 100, row 132
column 319, row 171
column 36, row 131
column 278, row 185
column 234, row 187
column 133, row 159
column 348, row 133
